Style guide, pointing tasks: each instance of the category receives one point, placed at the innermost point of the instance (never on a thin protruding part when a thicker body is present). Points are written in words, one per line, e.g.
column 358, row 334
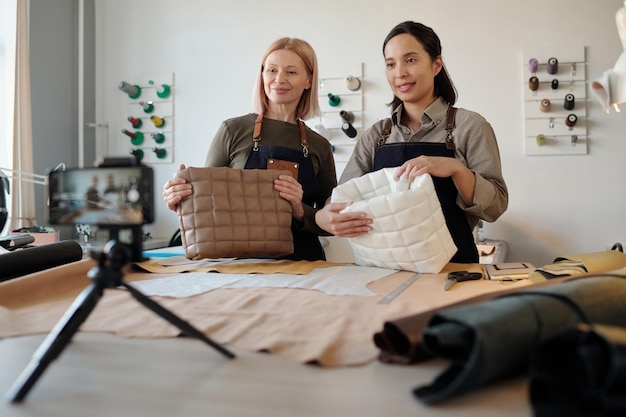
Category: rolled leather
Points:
column 492, row 340
column 581, row 372
column 37, row 258
column 487, row 339
column 400, row 340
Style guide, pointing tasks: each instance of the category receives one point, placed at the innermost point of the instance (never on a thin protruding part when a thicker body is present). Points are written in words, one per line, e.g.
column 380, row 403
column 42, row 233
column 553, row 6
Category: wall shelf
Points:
column 351, row 101
column 547, row 132
column 162, row 107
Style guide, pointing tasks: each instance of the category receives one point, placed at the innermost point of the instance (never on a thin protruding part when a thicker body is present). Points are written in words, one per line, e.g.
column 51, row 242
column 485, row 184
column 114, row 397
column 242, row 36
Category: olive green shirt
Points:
column 233, row 140
column 476, row 147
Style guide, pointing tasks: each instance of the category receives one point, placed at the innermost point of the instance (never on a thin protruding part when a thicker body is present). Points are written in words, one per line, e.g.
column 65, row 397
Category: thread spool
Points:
column 158, row 121
column 347, row 116
column 136, row 123
column 555, row 84
column 569, row 102
column 158, row 137
column 353, row 83
column 541, row 139
column 533, row 83
column 136, row 138
column 137, row 153
column 133, row 91
column 348, row 129
column 147, row 106
column 159, row 152
column 553, row 65
column 533, row 64
column 333, row 100
column 571, row 120
column 163, row 92
column 544, row 105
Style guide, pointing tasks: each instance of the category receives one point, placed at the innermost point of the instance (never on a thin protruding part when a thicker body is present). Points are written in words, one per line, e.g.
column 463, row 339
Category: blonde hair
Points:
column 308, row 107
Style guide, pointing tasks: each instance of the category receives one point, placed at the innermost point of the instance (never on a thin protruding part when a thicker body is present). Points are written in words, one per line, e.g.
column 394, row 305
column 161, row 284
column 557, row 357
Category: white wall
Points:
column 558, row 204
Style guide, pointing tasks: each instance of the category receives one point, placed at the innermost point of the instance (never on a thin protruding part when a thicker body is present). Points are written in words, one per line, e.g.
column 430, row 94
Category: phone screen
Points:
column 101, row 196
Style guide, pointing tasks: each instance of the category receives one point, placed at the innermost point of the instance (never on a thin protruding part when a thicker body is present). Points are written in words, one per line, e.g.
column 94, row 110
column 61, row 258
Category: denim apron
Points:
column 395, row 154
column 306, row 245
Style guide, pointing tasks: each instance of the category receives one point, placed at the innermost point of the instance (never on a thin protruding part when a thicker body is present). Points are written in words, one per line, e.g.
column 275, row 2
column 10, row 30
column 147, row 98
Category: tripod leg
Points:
column 175, row 320
column 55, row 342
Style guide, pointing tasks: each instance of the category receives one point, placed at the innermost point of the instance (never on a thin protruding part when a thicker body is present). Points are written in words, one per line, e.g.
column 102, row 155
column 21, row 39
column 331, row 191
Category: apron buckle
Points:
column 450, row 141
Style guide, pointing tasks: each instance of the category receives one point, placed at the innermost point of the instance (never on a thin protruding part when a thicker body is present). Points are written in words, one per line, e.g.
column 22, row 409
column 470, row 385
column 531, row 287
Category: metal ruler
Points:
column 398, row 290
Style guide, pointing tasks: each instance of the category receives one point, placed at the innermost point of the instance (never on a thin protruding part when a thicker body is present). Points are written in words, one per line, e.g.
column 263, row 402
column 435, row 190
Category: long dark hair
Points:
column 444, row 87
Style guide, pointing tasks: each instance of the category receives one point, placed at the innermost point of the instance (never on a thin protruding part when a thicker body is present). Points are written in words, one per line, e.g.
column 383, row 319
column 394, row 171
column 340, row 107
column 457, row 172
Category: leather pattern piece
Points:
column 234, row 213
column 409, row 229
column 580, row 264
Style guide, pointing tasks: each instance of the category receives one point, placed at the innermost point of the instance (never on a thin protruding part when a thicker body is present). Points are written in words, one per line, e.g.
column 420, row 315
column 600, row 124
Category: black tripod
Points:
column 108, row 274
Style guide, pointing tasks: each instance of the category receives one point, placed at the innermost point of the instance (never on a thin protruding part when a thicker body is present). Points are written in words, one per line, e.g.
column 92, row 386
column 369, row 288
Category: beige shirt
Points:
column 476, row 147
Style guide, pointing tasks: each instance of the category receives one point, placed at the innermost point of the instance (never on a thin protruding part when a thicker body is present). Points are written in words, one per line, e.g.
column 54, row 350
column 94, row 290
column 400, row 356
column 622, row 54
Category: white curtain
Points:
column 22, row 211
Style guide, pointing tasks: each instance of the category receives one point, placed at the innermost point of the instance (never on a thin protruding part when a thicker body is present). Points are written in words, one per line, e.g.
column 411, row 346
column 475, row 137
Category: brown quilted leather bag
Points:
column 234, row 213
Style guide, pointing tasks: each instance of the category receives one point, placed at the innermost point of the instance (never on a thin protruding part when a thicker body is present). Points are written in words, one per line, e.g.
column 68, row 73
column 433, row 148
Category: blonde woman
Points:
column 285, row 94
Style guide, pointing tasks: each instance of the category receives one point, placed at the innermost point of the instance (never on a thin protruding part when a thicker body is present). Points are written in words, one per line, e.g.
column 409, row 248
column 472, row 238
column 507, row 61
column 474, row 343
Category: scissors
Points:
column 460, row 276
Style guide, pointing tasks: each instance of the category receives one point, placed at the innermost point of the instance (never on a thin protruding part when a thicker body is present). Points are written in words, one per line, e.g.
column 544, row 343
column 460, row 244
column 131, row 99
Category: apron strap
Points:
column 256, row 135
column 450, row 125
column 385, row 133
column 303, row 140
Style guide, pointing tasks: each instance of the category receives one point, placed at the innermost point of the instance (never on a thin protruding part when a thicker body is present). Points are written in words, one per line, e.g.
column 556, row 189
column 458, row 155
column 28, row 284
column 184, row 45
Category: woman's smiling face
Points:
column 285, row 77
column 410, row 69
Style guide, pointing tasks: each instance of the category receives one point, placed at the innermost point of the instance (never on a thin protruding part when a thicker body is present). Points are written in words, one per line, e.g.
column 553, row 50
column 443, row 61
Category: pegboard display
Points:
column 555, row 101
column 341, row 105
column 148, row 127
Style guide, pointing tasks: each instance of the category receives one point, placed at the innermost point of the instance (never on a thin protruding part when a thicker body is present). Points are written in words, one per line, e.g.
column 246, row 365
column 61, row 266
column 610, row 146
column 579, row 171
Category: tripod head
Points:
column 113, row 249
column 115, row 255
column 111, row 261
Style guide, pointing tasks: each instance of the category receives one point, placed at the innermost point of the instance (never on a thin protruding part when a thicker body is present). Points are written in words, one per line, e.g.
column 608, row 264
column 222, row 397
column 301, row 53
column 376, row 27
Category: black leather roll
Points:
column 37, row 258
column 580, row 373
column 489, row 341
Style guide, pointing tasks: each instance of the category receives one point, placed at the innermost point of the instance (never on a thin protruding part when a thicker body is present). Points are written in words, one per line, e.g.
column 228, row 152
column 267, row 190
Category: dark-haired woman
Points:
column 427, row 134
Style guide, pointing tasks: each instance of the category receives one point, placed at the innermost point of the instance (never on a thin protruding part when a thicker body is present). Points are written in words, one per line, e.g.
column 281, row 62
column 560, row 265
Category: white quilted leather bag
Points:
column 409, row 231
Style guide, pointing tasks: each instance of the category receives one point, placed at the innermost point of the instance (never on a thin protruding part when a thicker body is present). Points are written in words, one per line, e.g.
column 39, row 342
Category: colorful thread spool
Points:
column 133, row 91
column 553, row 66
column 136, row 123
column 158, row 121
